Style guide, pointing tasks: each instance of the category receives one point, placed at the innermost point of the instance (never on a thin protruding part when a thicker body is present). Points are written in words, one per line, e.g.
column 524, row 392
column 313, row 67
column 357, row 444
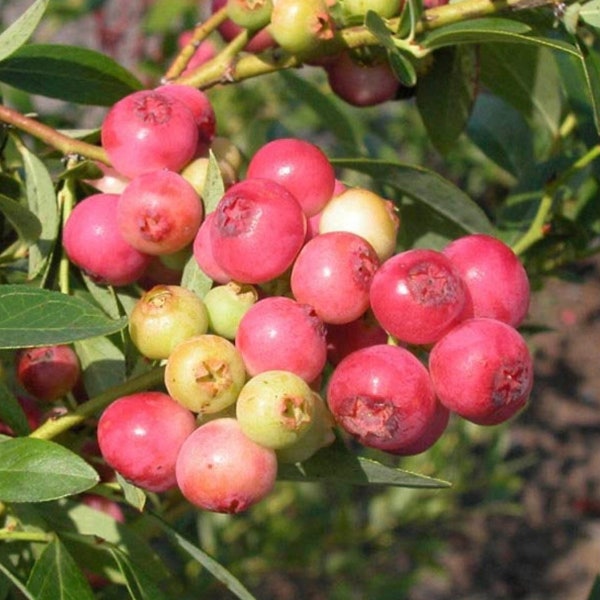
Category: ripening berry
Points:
column 159, row 212
column 257, row 231
column 147, row 131
column 417, row 296
column 140, row 436
column 383, row 396
column 497, row 281
column 482, row 370
column 93, row 242
column 300, row 167
column 221, row 469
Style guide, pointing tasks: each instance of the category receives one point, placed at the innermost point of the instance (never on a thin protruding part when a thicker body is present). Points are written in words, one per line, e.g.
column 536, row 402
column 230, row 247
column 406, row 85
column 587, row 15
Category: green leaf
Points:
column 139, row 586
column 595, row 591
column 490, row 29
column 328, row 109
column 14, row 36
column 8, row 574
column 440, row 195
column 502, row 134
column 11, row 412
column 36, row 317
column 214, row 187
column 41, row 198
column 209, row 563
column 56, row 576
column 336, row 464
column 401, row 64
column 25, row 223
column 528, row 78
column 590, row 63
column 134, row 495
column 68, row 73
column 33, row 470
column 195, row 279
column 590, row 13
column 446, row 94
column 102, row 364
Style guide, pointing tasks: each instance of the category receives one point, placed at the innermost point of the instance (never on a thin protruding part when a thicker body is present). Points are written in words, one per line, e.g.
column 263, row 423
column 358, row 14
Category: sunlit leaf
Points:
column 35, row 317
column 102, row 364
column 68, row 73
column 590, row 13
column 34, row 470
column 56, row 576
column 18, row 32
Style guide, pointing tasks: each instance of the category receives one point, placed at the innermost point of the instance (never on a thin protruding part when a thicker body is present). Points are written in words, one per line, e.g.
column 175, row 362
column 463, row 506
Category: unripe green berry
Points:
column 165, row 316
column 226, row 305
column 319, row 434
column 251, row 14
column 275, row 408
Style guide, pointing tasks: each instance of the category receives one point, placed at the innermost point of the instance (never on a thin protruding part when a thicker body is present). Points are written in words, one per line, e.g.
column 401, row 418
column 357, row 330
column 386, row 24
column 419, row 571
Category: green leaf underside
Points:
column 56, row 576
column 209, row 563
column 25, row 223
column 486, row 30
column 68, row 73
column 35, row 317
column 14, row 36
column 426, row 187
column 33, row 470
column 335, row 464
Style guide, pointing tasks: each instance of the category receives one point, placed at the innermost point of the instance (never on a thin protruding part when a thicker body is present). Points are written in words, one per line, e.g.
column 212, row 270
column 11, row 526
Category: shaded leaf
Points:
column 502, row 134
column 336, row 464
column 69, row 73
column 590, row 62
column 8, row 574
column 328, row 110
column 11, row 412
column 18, row 32
column 209, row 563
column 446, row 94
column 102, row 364
column 34, row 470
column 139, row 585
column 25, row 223
column 36, row 317
column 527, row 78
column 41, row 199
column 426, row 187
column 56, row 576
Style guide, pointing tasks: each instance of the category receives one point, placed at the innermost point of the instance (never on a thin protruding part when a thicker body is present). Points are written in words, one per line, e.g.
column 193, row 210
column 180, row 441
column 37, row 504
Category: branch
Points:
column 54, row 427
column 51, row 136
column 228, row 69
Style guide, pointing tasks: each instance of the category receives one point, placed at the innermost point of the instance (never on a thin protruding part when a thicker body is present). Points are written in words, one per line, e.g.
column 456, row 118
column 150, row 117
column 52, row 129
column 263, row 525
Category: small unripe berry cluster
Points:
column 309, row 328
column 305, row 27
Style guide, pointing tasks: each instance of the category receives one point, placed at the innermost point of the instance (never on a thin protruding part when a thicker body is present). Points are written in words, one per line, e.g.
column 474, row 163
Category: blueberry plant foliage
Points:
column 508, row 89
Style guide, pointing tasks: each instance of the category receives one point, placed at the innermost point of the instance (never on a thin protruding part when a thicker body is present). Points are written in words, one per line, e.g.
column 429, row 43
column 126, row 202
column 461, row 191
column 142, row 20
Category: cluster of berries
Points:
column 314, row 321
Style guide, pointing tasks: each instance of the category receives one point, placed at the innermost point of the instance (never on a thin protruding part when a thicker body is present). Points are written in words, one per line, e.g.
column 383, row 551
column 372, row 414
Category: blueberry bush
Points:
column 356, row 188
